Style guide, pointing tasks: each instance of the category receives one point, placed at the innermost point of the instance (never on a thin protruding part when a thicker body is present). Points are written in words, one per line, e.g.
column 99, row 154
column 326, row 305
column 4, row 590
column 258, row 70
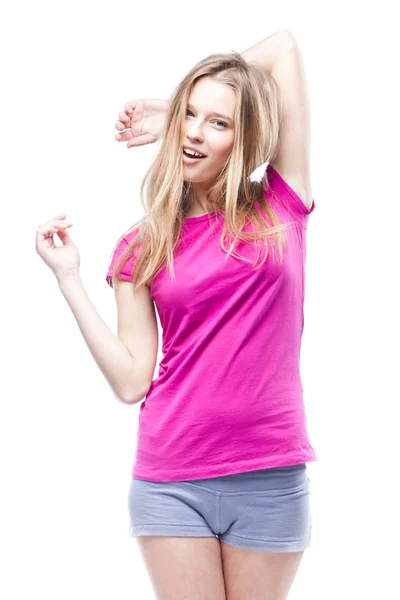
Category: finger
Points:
column 124, row 117
column 55, row 223
column 130, row 106
column 60, row 216
column 124, row 136
column 44, row 233
column 47, row 231
column 63, row 233
column 121, row 126
column 141, row 140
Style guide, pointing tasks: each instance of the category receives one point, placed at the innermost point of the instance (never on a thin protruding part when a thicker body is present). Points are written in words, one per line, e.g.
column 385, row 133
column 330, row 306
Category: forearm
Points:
column 111, row 355
column 265, row 53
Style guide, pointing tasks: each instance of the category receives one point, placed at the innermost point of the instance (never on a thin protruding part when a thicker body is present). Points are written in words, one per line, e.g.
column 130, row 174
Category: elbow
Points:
column 288, row 38
column 133, row 398
column 124, row 400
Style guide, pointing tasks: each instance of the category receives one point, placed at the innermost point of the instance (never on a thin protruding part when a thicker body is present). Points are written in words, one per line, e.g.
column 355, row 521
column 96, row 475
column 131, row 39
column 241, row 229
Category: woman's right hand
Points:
column 63, row 260
column 142, row 122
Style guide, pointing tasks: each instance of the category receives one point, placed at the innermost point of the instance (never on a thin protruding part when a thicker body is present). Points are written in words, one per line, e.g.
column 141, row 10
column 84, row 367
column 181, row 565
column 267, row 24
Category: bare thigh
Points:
column 184, row 568
column 258, row 575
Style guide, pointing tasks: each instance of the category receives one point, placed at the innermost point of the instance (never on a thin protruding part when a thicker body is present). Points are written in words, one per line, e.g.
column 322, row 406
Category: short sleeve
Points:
column 127, row 268
column 283, row 189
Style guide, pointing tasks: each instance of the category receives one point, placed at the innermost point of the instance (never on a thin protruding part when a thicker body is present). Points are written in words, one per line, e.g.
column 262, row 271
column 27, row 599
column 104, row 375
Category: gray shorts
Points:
column 267, row 509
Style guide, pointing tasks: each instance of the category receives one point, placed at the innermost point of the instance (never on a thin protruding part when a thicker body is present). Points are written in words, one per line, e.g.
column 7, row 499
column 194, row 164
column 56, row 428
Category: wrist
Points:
column 68, row 280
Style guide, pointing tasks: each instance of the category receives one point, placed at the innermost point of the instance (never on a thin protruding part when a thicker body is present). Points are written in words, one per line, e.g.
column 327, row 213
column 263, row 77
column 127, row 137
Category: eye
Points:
column 223, row 123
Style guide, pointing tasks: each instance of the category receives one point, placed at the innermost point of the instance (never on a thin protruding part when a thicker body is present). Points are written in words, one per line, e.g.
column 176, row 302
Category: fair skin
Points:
column 209, row 134
column 188, row 567
column 201, row 568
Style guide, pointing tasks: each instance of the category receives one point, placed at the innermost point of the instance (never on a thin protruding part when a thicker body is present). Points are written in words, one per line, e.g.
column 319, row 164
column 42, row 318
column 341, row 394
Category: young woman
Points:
column 219, row 496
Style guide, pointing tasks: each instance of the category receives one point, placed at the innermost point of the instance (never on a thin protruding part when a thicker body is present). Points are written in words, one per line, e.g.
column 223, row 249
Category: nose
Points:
column 194, row 133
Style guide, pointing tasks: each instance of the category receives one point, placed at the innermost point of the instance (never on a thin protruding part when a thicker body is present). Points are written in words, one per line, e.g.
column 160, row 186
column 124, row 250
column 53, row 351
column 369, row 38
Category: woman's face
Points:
column 206, row 132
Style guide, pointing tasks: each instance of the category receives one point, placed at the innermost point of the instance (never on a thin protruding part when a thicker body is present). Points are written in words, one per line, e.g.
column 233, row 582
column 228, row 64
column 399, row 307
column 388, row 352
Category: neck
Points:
column 199, row 203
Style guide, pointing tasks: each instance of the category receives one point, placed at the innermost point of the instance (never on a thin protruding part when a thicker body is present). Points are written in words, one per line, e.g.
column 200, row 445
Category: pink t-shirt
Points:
column 228, row 397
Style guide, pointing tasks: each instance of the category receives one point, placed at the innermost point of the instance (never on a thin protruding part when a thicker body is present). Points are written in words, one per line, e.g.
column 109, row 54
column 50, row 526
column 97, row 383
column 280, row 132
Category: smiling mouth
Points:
column 192, row 155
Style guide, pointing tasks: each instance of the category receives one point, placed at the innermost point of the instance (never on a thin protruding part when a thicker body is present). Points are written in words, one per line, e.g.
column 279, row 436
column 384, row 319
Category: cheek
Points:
column 225, row 151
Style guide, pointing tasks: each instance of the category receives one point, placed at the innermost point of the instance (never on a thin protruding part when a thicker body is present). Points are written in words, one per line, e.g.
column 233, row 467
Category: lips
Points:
column 194, row 150
column 189, row 160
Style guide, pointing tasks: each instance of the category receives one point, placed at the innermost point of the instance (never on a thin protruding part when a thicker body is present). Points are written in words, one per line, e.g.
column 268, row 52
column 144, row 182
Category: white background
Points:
column 67, row 445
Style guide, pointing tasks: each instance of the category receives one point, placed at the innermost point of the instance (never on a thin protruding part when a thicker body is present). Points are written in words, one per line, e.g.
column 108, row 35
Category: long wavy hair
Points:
column 168, row 197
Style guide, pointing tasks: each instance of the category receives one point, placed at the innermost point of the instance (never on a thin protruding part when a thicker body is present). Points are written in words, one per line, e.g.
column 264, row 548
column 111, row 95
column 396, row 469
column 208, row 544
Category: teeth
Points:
column 192, row 152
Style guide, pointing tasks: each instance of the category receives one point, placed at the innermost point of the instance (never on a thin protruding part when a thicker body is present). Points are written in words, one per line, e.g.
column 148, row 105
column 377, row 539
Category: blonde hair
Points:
column 257, row 121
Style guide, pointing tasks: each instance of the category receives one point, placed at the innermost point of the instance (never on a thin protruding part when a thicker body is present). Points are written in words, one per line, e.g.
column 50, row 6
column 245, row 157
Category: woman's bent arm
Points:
column 111, row 355
column 266, row 52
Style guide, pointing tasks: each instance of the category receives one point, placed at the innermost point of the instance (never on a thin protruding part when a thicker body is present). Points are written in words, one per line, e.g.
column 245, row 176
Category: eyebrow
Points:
column 215, row 114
